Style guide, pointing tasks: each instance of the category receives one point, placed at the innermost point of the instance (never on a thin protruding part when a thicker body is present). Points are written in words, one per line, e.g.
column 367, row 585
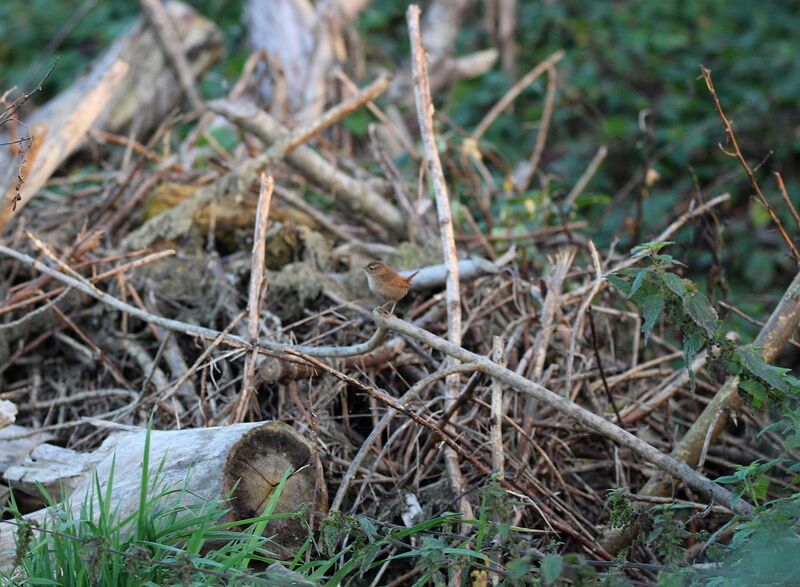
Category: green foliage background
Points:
column 622, row 59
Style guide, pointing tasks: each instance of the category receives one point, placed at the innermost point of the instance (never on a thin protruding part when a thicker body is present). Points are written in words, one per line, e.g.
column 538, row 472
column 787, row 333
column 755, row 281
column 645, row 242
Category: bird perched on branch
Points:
column 387, row 283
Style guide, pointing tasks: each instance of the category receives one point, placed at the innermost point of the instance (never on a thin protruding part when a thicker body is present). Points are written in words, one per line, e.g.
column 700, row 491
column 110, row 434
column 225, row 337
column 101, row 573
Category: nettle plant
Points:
column 659, row 292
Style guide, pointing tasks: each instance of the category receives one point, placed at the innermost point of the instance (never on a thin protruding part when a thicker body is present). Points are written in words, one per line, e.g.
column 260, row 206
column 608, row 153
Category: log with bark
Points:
column 245, row 461
column 132, row 81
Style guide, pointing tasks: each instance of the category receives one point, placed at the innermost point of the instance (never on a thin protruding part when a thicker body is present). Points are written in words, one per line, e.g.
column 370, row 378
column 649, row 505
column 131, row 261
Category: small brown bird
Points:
column 387, row 283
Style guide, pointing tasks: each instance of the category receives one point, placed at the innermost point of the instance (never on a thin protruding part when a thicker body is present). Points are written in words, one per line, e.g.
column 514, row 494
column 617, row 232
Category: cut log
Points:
column 15, row 451
column 56, row 468
column 208, row 462
column 132, row 79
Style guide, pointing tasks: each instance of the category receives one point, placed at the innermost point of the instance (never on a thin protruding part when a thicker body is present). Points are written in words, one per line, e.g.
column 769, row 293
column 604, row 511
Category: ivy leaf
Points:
column 637, row 283
column 693, row 341
column 752, row 361
column 674, row 283
column 756, row 390
column 651, row 310
column 552, row 565
column 701, row 311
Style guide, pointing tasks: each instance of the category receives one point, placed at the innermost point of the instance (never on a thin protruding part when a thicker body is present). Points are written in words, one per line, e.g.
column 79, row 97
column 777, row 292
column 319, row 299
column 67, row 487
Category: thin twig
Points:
column 664, row 235
column 169, row 392
column 254, row 297
column 308, row 131
column 544, row 126
column 587, row 176
column 787, row 200
column 496, row 431
column 737, row 153
column 167, row 35
column 600, row 366
column 425, row 110
column 412, row 393
column 515, row 91
column 578, row 326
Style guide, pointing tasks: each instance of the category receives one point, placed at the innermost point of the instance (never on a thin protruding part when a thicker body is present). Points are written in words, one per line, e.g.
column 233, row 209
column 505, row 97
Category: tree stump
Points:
column 208, row 462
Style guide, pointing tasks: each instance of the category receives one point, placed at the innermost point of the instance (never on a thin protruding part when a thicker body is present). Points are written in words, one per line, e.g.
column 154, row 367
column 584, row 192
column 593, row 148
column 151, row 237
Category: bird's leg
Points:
column 393, row 306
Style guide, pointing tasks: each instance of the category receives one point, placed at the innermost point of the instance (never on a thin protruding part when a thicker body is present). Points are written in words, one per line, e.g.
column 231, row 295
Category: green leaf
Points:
column 650, row 248
column 674, row 283
column 357, row 122
column 551, row 565
column 637, row 283
column 667, row 260
column 693, row 341
column 701, row 311
column 330, row 536
column 619, row 283
column 519, row 567
column 754, row 363
column 651, row 310
column 756, row 390
column 792, row 442
column 368, row 526
column 759, row 488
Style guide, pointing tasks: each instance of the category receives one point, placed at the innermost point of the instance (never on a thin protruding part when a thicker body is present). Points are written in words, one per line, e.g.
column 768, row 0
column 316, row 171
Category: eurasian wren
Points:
column 387, row 283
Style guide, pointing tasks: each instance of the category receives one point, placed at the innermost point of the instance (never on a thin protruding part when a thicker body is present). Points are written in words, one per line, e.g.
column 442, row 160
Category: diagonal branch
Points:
column 590, row 420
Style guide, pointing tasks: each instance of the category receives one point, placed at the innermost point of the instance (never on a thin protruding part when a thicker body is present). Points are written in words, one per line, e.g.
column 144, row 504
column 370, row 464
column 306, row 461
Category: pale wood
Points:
column 16, row 450
column 56, row 468
column 131, row 80
column 196, row 459
column 360, row 196
column 285, row 28
column 170, row 42
column 8, row 413
column 61, row 137
column 425, row 110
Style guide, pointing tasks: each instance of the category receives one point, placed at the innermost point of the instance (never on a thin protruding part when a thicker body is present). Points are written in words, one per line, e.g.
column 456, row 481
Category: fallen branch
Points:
column 592, row 421
column 168, row 38
column 174, row 222
column 264, row 346
column 425, row 109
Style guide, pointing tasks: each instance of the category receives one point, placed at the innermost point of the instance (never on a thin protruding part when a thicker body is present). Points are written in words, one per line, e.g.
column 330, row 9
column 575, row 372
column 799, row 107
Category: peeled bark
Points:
column 132, row 80
column 207, row 462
